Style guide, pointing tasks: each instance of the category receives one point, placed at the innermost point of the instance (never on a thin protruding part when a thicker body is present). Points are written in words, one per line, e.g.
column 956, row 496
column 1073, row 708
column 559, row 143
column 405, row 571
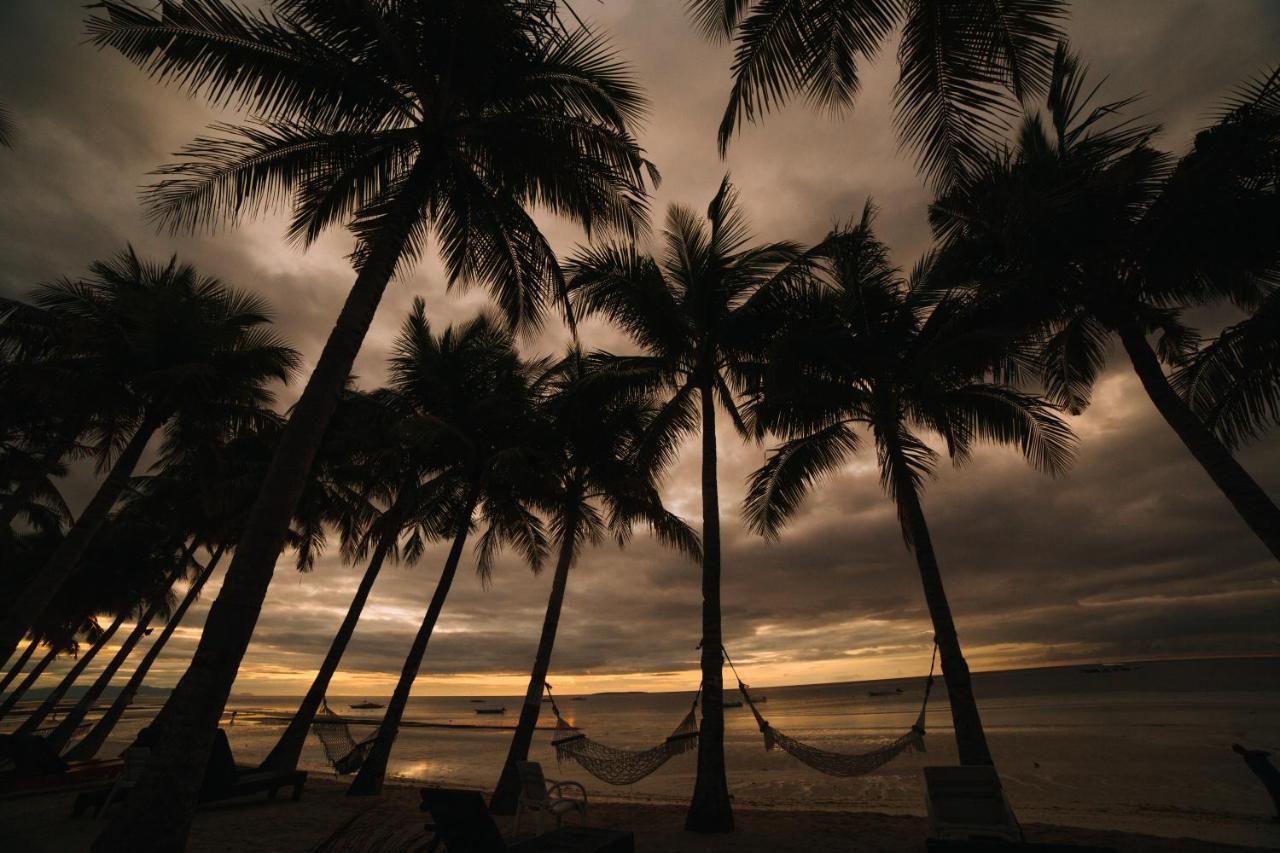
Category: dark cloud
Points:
column 1135, row 553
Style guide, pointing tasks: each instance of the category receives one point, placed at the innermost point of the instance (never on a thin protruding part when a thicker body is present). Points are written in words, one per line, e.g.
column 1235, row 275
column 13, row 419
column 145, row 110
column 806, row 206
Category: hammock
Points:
column 340, row 748
column 839, row 763
column 621, row 766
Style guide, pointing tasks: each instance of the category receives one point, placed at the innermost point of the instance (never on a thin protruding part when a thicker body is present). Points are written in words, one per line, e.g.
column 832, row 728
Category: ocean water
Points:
column 1144, row 750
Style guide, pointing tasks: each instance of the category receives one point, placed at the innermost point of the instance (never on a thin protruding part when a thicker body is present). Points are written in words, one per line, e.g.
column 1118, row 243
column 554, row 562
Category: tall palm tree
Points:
column 707, row 299
column 866, row 349
column 1084, row 231
column 69, row 678
column 467, row 415
column 595, row 428
column 963, row 64
column 395, row 119
column 176, row 347
column 18, row 665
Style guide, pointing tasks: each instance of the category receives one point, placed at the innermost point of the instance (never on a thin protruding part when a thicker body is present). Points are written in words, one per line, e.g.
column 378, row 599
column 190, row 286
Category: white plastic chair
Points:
column 135, row 759
column 543, row 796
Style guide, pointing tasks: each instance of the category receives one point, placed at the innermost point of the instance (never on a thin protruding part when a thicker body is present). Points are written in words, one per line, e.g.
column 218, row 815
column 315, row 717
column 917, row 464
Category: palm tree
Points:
column 88, row 747
column 465, row 421
column 396, row 120
column 709, row 298
column 866, row 349
column 595, row 428
column 1083, row 231
column 963, row 64
column 18, row 665
column 50, row 702
column 1233, row 383
column 176, row 347
column 365, row 458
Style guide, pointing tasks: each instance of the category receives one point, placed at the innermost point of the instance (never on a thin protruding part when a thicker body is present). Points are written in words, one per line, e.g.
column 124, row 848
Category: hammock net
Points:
column 840, row 763
column 621, row 766
column 343, row 751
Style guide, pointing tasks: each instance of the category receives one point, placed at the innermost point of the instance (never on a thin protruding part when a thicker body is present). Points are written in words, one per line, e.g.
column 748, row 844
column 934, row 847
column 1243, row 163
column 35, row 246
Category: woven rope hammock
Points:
column 621, row 766
column 343, row 751
column 839, row 763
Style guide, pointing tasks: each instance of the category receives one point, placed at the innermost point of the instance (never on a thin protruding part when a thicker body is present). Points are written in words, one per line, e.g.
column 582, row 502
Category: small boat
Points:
column 476, row 700
column 366, row 705
column 546, row 699
column 1107, row 667
column 759, row 699
column 491, row 710
column 734, row 704
column 884, row 692
column 581, row 698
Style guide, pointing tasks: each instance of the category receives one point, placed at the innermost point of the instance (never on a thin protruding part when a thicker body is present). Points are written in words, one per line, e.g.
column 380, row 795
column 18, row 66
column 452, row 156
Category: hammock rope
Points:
column 621, row 766
column 838, row 763
column 343, row 751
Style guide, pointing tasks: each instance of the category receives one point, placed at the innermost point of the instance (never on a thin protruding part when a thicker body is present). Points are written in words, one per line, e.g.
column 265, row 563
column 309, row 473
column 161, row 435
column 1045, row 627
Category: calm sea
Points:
column 1146, row 749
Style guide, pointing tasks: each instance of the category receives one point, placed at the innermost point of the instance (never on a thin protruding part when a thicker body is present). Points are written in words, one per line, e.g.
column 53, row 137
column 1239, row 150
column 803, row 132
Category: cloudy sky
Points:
column 1133, row 555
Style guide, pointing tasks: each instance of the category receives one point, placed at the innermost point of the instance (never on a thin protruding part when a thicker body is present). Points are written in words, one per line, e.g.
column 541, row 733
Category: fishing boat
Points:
column 477, row 700
column 491, row 710
column 884, row 692
column 733, row 704
column 366, row 705
column 1107, row 667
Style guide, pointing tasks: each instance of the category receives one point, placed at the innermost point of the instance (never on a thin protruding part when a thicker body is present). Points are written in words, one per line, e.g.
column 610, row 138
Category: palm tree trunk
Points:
column 51, row 701
column 18, row 665
column 285, row 754
column 971, row 739
column 157, row 816
column 374, row 769
column 97, row 736
column 710, row 810
column 25, row 684
column 507, row 792
column 1250, row 501
column 30, row 604
column 64, row 731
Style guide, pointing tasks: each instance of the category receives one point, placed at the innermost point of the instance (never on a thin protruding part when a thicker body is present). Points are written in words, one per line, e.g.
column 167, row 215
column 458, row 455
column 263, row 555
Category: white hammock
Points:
column 621, row 766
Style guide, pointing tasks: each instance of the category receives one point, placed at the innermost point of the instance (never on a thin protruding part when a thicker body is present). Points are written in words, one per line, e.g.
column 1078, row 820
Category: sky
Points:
column 1132, row 555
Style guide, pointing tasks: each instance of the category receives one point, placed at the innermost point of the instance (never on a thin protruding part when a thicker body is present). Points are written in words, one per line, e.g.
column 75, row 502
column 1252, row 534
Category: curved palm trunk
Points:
column 18, row 665
column 971, row 739
column 1248, row 498
column 25, row 684
column 157, row 816
column 29, row 604
column 66, row 729
column 710, row 810
column 507, row 793
column 374, row 769
column 97, row 736
column 285, row 754
column 55, row 696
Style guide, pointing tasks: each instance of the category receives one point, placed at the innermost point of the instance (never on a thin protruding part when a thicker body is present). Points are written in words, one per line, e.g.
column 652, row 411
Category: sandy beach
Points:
column 255, row 825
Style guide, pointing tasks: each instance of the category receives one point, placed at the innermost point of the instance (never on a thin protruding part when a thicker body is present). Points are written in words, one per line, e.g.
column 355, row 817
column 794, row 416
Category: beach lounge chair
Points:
column 968, row 804
column 462, row 822
column 544, row 796
column 30, row 766
column 223, row 780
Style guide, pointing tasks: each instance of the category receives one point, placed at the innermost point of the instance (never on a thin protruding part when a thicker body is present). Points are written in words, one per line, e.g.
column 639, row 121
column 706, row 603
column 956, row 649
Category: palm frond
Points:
column 776, row 489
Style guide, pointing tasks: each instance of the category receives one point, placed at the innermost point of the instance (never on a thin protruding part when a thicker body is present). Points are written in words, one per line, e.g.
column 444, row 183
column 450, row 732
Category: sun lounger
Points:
column 462, row 822
column 223, row 780
column 29, row 766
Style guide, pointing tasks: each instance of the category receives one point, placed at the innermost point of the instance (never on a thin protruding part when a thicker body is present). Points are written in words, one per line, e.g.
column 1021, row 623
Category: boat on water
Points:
column 1107, row 667
column 366, row 705
column 476, row 700
column 491, row 710
column 734, row 704
column 884, row 692
column 581, row 698
column 759, row 699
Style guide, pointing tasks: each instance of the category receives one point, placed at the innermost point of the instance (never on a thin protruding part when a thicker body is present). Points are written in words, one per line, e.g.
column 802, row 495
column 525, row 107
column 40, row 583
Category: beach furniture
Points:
column 968, row 804
column 543, row 796
column 223, row 780
column 462, row 823
column 30, row 766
